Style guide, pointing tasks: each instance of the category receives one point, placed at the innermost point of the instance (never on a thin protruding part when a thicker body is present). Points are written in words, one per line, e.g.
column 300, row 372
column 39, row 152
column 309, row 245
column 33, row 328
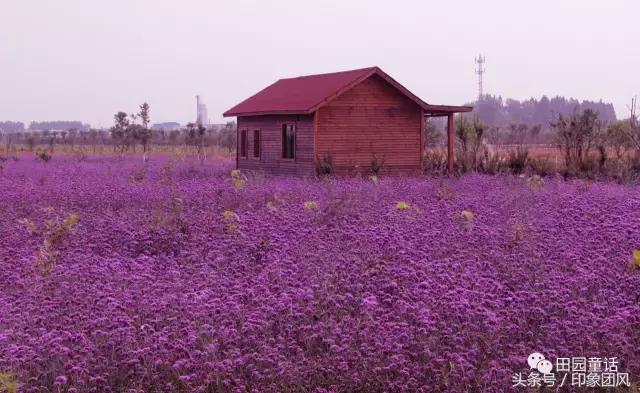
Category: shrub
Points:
column 465, row 217
column 43, row 156
column 517, row 160
column 231, row 221
column 622, row 170
column 402, row 205
column 470, row 136
column 139, row 174
column 587, row 168
column 311, row 205
column 491, row 164
column 325, row 166
column 635, row 162
column 602, row 151
column 53, row 232
column 434, row 162
column 618, row 137
column 8, row 383
column 518, row 231
column 635, row 259
column 577, row 135
column 541, row 166
column 377, row 164
column 238, row 179
column 444, row 192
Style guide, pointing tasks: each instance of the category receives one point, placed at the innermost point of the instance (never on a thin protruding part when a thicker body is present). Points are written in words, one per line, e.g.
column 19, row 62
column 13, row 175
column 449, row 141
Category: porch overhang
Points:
column 445, row 110
column 448, row 111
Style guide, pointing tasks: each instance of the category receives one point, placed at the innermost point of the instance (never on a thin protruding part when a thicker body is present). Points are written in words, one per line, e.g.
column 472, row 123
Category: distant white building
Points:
column 202, row 117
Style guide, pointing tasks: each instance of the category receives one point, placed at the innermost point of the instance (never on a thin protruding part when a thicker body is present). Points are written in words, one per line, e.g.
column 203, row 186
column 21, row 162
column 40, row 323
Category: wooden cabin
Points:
column 351, row 118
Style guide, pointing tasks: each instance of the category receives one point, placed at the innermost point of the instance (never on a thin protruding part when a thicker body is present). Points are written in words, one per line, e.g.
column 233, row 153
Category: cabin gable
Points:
column 372, row 120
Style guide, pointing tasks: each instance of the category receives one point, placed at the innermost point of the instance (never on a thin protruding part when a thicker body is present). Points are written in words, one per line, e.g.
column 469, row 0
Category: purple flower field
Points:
column 179, row 278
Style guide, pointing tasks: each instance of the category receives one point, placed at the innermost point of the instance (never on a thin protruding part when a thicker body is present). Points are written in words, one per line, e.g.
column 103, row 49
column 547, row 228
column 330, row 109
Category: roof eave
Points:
column 262, row 113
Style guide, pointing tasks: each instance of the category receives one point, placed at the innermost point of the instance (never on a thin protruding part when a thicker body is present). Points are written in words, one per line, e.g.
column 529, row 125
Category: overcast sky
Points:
column 85, row 60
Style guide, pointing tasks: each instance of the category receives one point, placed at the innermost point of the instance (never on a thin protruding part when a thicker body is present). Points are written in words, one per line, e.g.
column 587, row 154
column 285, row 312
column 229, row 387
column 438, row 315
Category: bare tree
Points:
column 577, row 135
column 634, row 129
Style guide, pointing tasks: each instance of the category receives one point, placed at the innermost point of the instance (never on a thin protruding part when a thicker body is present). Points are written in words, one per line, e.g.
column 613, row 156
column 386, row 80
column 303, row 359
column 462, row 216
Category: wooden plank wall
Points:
column 371, row 118
column 271, row 160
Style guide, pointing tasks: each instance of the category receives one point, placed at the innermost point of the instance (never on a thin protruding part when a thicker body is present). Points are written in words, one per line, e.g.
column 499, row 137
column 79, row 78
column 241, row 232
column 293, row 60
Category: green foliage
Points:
column 144, row 115
column 119, row 130
column 126, row 133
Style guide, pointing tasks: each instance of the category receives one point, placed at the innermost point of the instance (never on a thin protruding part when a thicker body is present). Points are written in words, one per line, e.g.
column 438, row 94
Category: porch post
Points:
column 451, row 154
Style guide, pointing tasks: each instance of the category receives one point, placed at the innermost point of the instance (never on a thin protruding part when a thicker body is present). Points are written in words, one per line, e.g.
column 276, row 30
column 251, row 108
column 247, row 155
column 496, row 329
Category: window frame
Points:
column 283, row 138
column 257, row 132
column 244, row 144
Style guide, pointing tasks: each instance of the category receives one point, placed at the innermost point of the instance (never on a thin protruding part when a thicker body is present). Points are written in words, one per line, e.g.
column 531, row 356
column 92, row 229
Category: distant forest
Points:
column 494, row 111
column 58, row 125
column 11, row 126
column 518, row 122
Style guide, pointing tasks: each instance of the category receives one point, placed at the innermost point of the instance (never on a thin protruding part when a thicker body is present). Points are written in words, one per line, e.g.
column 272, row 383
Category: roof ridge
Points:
column 329, row 73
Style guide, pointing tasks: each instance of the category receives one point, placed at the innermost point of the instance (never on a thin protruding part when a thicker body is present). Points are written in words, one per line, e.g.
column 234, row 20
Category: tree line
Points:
column 589, row 147
column 512, row 121
column 495, row 111
column 127, row 133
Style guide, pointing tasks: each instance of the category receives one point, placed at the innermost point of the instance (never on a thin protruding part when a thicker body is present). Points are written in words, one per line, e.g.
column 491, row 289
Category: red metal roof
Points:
column 305, row 94
column 297, row 95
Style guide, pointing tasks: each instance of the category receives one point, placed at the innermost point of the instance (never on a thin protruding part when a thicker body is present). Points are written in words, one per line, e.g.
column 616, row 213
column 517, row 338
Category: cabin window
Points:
column 243, row 143
column 288, row 141
column 256, row 143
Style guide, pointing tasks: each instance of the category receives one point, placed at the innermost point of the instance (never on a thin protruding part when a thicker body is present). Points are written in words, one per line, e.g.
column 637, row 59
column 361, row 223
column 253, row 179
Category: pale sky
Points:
column 87, row 59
